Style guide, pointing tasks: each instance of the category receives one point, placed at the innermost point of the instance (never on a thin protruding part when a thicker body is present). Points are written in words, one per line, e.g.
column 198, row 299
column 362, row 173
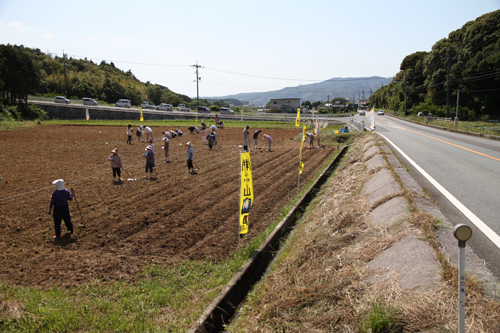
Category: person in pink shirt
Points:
column 269, row 140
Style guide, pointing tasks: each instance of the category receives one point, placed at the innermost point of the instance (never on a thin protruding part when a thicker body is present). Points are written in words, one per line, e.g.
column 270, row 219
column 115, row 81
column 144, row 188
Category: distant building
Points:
column 284, row 105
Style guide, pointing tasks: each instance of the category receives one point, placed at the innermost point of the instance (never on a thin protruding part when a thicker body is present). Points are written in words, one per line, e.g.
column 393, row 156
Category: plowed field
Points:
column 133, row 223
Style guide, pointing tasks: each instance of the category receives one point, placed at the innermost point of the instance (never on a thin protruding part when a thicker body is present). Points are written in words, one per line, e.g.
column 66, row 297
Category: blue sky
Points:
column 243, row 46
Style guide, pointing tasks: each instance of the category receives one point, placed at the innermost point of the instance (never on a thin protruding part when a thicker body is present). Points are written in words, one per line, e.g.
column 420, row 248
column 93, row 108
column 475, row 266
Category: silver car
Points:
column 61, row 99
column 89, row 101
column 226, row 111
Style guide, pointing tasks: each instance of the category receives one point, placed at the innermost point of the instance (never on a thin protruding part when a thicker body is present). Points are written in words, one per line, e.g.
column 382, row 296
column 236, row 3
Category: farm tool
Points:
column 128, row 173
column 197, row 168
column 77, row 205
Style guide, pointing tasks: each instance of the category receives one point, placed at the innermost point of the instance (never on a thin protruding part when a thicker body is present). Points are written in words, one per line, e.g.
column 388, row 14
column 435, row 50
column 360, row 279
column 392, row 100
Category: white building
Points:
column 284, row 105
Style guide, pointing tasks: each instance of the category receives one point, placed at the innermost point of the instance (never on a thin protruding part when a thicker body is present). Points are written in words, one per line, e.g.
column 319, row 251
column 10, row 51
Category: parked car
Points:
column 204, row 109
column 146, row 105
column 61, row 99
column 420, row 114
column 124, row 103
column 380, row 112
column 226, row 111
column 165, row 107
column 89, row 101
column 361, row 113
column 182, row 107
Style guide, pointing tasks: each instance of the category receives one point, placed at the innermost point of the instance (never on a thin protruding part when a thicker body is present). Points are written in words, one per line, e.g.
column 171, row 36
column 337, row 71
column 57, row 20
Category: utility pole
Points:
column 447, row 81
column 197, row 89
column 65, row 84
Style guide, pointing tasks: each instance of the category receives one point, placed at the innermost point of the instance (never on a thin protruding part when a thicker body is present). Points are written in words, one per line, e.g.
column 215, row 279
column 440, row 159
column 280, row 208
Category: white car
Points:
column 226, row 111
column 124, row 102
column 61, row 99
column 380, row 112
column 89, row 101
column 165, row 107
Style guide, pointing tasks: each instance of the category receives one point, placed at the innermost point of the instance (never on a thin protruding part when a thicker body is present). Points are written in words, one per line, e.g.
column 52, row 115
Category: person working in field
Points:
column 256, row 138
column 203, row 132
column 166, row 147
column 245, row 138
column 149, row 132
column 193, row 129
column 59, row 201
column 130, row 132
column 116, row 164
column 190, row 156
column 310, row 136
column 152, row 145
column 211, row 137
column 139, row 132
column 269, row 140
column 150, row 161
column 179, row 132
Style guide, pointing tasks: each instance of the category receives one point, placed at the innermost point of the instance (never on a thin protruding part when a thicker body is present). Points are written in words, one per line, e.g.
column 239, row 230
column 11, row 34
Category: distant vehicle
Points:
column 89, row 101
column 182, row 107
column 226, row 111
column 165, row 107
column 420, row 114
column 203, row 109
column 380, row 112
column 61, row 99
column 430, row 115
column 361, row 113
column 146, row 105
column 124, row 103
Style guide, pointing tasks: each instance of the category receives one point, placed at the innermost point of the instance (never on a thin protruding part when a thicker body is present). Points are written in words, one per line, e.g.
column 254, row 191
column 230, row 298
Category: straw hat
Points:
column 115, row 151
column 148, row 147
column 188, row 143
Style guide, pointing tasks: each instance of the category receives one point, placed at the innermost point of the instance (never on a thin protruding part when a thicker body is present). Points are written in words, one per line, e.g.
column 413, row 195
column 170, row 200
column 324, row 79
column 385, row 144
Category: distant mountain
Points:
column 336, row 87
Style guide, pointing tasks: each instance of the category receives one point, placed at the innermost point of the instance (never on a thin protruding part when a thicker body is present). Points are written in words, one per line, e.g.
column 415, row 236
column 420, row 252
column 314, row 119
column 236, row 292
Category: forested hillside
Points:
column 26, row 71
column 467, row 64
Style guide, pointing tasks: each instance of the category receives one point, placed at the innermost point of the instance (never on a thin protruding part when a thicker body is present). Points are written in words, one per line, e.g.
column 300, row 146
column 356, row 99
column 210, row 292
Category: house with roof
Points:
column 284, row 105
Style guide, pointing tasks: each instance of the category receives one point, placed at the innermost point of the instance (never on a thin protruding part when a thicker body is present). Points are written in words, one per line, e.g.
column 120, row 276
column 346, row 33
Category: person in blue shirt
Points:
column 59, row 201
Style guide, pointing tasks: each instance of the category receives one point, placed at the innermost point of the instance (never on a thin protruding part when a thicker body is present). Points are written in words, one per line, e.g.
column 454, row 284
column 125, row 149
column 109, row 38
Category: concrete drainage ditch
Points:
column 225, row 305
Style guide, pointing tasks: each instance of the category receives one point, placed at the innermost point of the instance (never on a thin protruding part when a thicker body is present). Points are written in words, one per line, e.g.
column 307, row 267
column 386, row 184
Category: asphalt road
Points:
column 466, row 167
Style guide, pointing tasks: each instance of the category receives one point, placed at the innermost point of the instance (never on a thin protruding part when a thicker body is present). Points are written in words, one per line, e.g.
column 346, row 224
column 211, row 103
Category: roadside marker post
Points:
column 463, row 233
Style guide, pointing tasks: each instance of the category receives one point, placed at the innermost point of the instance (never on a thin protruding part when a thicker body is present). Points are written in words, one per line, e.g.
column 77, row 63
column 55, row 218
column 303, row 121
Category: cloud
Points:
column 48, row 36
column 17, row 26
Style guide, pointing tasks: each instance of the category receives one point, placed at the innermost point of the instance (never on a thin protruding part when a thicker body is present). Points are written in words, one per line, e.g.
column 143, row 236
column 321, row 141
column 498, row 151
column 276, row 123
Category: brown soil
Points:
column 128, row 225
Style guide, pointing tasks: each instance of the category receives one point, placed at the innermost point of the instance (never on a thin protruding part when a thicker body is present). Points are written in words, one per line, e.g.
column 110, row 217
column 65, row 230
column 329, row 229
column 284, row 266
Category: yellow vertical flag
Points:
column 303, row 135
column 297, row 120
column 246, row 190
column 87, row 116
column 301, row 166
column 142, row 119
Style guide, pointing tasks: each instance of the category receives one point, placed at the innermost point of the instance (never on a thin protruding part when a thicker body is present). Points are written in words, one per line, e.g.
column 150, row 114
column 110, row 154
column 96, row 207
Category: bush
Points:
column 9, row 113
column 22, row 112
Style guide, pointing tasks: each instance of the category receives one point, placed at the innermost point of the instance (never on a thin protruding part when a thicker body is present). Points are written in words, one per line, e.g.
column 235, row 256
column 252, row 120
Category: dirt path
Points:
column 166, row 220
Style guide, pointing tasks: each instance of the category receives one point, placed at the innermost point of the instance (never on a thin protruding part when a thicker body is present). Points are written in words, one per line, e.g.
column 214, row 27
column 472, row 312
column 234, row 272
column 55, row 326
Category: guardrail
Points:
column 358, row 125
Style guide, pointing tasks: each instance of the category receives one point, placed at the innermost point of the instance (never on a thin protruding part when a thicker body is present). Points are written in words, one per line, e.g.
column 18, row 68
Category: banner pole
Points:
column 239, row 210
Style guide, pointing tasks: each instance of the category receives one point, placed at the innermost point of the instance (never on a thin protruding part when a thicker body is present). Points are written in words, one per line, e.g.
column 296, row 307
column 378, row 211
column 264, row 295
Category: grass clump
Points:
column 380, row 318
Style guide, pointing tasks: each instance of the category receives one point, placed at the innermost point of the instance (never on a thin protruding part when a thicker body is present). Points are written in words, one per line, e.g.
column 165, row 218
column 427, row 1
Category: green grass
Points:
column 470, row 126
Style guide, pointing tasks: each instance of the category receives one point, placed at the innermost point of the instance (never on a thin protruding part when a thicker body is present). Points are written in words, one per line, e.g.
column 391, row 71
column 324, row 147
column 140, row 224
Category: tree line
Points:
column 464, row 65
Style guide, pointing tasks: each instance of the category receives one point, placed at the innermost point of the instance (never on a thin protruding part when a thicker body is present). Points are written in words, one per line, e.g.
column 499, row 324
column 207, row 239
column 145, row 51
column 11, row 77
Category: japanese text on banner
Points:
column 246, row 191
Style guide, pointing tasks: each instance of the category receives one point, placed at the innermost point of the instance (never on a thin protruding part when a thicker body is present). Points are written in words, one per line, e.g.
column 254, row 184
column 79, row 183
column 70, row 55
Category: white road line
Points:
column 470, row 215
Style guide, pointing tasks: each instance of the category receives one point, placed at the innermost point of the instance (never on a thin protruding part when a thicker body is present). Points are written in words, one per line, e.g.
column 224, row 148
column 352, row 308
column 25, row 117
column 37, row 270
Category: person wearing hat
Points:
column 212, row 139
column 269, row 140
column 193, row 130
column 150, row 161
column 245, row 138
column 139, row 132
column 150, row 142
column 59, row 201
column 190, row 156
column 311, row 140
column 129, row 134
column 256, row 138
column 167, row 145
column 116, row 164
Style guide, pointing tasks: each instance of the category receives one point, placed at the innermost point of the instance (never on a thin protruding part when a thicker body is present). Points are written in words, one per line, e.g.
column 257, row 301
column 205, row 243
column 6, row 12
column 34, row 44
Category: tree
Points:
column 18, row 75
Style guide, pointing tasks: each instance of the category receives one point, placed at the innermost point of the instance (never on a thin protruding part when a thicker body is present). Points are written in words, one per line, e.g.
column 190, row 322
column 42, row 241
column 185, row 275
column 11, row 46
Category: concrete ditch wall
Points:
column 225, row 304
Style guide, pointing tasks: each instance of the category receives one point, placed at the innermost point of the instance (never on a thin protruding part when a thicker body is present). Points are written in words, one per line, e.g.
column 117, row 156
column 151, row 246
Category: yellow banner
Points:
column 301, row 166
column 246, row 190
column 142, row 119
column 297, row 121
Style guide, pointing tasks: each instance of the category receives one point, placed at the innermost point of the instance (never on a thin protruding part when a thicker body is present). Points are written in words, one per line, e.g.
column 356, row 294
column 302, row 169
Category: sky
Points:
column 242, row 46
